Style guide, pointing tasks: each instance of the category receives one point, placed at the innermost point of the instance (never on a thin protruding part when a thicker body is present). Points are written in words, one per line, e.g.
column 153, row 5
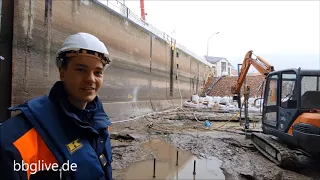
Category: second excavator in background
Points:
column 290, row 114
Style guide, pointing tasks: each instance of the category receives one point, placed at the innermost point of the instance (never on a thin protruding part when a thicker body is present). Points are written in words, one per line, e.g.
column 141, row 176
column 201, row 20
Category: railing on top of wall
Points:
column 124, row 11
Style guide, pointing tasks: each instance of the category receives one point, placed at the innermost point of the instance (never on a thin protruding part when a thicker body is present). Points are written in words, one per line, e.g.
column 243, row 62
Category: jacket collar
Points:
column 59, row 96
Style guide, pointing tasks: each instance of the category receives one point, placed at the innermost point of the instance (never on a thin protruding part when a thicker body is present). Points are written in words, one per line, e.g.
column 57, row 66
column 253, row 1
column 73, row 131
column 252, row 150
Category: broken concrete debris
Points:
column 225, row 103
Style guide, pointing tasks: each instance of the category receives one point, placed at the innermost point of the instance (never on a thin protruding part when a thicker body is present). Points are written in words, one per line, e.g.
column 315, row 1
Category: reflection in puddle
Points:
column 205, row 169
column 166, row 167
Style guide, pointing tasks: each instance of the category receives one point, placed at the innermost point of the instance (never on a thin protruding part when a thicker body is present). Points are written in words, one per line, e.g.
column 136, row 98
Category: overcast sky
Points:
column 285, row 33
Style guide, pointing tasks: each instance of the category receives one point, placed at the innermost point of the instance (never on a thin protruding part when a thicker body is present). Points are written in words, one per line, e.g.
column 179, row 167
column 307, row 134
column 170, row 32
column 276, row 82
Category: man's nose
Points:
column 90, row 77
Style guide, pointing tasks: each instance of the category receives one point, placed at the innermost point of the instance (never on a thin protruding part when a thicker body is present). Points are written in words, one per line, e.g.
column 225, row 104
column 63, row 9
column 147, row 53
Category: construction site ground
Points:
column 221, row 151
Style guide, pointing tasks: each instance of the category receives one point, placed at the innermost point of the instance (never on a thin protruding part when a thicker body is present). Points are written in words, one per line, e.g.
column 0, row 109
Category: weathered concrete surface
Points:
column 128, row 110
column 140, row 71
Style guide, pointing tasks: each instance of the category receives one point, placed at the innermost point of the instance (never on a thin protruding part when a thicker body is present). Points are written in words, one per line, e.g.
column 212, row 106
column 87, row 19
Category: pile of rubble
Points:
column 225, row 103
column 222, row 85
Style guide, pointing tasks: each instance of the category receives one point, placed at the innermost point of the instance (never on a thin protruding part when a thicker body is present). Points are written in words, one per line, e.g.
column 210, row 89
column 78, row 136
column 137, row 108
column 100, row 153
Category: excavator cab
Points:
column 280, row 99
column 291, row 113
column 288, row 94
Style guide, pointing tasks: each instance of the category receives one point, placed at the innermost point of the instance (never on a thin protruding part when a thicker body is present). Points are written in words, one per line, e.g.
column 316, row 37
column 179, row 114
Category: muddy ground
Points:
column 184, row 130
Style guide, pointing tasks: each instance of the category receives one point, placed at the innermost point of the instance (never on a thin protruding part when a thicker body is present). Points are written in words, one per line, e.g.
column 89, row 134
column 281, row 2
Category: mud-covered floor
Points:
column 230, row 155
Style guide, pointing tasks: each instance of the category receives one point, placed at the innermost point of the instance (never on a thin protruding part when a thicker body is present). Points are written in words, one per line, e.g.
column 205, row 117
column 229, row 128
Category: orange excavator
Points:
column 290, row 115
column 262, row 66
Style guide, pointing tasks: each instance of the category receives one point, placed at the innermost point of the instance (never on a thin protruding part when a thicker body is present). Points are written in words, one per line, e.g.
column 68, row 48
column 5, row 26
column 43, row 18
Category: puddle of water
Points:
column 166, row 167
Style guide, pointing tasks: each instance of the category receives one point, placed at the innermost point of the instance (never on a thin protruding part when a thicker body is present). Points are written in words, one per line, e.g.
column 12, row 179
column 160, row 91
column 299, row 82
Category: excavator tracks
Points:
column 273, row 150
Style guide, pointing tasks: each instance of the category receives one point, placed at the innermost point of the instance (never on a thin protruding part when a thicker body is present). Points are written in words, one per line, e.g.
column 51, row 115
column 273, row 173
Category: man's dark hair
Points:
column 65, row 62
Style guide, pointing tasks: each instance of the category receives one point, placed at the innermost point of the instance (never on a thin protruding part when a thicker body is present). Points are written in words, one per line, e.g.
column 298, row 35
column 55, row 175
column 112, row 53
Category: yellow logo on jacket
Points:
column 74, row 146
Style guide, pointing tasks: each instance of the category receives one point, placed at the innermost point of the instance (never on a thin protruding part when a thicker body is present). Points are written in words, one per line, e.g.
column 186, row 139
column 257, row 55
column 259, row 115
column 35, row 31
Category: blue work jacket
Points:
column 51, row 139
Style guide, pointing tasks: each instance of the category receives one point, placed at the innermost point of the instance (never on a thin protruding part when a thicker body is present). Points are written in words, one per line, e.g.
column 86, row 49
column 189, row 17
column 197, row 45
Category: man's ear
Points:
column 62, row 73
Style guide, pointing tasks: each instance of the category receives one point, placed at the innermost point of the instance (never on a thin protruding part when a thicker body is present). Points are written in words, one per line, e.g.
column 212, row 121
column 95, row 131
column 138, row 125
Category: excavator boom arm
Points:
column 243, row 73
column 260, row 64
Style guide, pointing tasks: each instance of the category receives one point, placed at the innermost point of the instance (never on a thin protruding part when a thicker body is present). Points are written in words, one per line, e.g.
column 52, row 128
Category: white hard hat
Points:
column 83, row 43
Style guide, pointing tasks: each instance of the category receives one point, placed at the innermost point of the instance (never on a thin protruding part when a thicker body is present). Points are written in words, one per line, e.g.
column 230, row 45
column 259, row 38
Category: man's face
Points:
column 82, row 78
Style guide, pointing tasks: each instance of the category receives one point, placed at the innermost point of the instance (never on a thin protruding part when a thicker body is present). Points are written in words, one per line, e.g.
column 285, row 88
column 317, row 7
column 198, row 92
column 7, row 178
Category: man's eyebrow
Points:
column 99, row 68
column 85, row 66
column 82, row 65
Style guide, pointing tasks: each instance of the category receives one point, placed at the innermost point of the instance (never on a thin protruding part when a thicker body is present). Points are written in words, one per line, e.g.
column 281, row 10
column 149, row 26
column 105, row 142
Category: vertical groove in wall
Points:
column 47, row 38
column 74, row 9
column 197, row 85
column 171, row 68
column 190, row 82
column 151, row 52
column 167, row 62
column 150, row 76
column 27, row 50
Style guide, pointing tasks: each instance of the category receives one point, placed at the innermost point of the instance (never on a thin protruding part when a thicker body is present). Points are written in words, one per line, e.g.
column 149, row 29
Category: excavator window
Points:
column 270, row 102
column 310, row 92
column 288, row 90
column 272, row 91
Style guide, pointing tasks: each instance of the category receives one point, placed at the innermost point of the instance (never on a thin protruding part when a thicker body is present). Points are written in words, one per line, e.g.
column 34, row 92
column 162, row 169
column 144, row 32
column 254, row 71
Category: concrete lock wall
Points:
column 138, row 80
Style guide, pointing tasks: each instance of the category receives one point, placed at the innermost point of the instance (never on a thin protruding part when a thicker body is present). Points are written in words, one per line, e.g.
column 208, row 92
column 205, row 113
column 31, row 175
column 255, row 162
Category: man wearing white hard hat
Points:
column 62, row 135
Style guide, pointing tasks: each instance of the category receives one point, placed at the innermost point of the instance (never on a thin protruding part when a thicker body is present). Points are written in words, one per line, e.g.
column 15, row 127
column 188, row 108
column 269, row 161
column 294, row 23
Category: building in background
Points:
column 221, row 66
